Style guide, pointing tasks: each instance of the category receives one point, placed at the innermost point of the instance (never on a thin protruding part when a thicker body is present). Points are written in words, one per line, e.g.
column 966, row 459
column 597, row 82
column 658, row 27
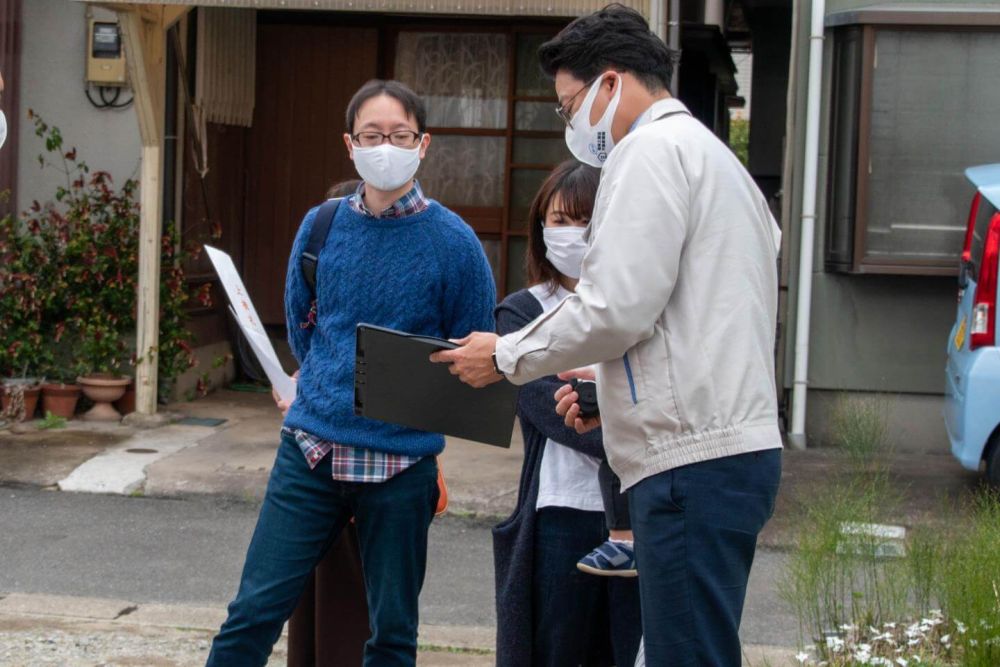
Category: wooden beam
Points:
column 145, row 56
column 174, row 13
column 144, row 37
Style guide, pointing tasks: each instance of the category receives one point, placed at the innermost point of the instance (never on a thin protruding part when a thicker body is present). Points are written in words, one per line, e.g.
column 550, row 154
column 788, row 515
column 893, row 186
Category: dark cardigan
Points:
column 513, row 539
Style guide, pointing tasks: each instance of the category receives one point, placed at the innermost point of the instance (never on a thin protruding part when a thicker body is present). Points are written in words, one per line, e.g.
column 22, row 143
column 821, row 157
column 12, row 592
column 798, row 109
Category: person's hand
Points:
column 473, row 361
column 567, row 406
column 284, row 405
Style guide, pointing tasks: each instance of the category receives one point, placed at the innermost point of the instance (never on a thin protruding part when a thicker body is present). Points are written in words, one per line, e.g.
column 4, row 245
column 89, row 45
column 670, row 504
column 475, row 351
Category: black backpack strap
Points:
column 317, row 239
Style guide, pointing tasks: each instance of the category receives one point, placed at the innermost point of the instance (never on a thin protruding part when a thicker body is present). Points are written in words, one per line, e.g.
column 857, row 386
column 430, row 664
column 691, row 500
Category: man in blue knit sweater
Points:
column 392, row 258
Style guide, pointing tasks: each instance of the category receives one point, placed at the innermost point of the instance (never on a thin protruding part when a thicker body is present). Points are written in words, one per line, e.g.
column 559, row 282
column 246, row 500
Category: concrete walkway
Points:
column 233, row 459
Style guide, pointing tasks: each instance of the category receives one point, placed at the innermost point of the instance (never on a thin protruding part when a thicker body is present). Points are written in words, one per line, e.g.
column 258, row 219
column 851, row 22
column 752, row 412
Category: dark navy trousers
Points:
column 579, row 618
column 304, row 511
column 696, row 533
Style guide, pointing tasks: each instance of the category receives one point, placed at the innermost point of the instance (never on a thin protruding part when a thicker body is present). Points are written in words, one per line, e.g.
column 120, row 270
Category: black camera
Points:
column 587, row 391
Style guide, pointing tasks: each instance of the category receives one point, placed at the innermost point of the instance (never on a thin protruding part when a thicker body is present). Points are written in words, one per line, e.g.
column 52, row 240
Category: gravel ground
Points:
column 51, row 642
column 47, row 644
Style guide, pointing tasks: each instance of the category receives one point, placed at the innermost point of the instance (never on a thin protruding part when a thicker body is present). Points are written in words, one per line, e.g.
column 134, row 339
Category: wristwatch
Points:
column 496, row 366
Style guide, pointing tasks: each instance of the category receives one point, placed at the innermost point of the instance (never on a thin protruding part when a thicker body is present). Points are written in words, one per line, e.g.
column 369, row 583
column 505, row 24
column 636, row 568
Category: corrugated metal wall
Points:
column 453, row 7
column 227, row 63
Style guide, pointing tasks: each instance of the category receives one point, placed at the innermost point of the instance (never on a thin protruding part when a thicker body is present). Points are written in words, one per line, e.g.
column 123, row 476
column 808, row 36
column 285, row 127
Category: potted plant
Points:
column 103, row 355
column 24, row 280
column 60, row 394
column 17, row 392
column 60, row 398
column 88, row 240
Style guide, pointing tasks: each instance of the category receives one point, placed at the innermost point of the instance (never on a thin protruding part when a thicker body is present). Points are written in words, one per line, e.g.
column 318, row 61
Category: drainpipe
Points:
column 665, row 22
column 658, row 18
column 714, row 13
column 797, row 435
column 674, row 42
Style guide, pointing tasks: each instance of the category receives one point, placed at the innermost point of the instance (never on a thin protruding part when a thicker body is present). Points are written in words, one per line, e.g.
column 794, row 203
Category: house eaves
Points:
column 918, row 14
column 555, row 8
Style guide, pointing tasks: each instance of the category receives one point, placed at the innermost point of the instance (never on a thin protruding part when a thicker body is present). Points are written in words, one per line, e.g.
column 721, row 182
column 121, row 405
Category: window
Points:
column 494, row 136
column 911, row 109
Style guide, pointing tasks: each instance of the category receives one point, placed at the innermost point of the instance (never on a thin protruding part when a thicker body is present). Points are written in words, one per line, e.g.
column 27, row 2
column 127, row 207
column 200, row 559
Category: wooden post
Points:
column 144, row 37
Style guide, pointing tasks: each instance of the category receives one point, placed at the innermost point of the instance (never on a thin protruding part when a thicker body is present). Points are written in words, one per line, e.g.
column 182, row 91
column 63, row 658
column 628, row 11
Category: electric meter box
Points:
column 105, row 54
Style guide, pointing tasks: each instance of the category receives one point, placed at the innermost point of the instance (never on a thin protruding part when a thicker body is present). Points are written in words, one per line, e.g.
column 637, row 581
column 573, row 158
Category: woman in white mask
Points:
column 566, row 504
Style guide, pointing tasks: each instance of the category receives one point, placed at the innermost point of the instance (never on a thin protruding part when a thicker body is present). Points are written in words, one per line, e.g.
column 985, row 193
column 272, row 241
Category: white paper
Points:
column 250, row 324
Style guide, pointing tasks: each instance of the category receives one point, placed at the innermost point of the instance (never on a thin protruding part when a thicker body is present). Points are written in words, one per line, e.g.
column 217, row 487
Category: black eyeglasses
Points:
column 563, row 111
column 399, row 138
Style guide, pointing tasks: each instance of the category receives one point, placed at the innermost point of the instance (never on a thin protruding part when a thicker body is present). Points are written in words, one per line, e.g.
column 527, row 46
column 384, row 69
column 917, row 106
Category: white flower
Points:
column 891, row 626
column 961, row 627
column 902, row 661
column 802, row 657
column 835, row 643
column 946, row 640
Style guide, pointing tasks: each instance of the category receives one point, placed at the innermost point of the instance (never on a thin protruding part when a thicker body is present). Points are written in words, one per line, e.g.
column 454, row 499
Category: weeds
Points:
column 855, row 605
column 51, row 421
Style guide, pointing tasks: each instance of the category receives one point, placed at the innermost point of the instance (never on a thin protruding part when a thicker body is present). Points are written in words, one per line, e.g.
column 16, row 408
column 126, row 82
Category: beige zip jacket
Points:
column 676, row 303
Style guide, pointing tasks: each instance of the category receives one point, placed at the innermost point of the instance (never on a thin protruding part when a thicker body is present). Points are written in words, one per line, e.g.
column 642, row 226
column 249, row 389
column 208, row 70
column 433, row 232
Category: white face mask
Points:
column 386, row 167
column 592, row 144
column 565, row 248
column 3, row 129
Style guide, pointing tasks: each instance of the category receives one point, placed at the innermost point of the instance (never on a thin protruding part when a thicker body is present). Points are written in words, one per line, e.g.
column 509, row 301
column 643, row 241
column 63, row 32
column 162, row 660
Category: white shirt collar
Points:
column 658, row 110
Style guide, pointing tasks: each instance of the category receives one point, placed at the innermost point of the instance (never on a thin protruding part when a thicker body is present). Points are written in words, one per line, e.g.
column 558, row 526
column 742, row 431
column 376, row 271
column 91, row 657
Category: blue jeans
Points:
column 695, row 535
column 579, row 619
column 303, row 513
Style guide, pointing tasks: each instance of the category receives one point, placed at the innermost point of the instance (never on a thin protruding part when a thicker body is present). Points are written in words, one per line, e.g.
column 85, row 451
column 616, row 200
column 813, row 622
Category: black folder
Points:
column 395, row 381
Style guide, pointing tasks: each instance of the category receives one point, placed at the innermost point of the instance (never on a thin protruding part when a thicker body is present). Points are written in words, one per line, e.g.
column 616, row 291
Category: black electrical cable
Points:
column 108, row 101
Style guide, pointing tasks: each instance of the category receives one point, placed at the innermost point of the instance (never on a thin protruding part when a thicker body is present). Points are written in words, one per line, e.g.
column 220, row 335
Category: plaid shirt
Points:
column 351, row 464
column 354, row 464
column 411, row 203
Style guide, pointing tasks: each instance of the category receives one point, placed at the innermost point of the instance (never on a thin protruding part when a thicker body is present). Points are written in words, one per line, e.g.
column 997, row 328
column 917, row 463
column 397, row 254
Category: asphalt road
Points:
column 191, row 551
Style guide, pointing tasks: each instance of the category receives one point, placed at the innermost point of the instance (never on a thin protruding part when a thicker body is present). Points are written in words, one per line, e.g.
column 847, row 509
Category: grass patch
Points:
column 937, row 604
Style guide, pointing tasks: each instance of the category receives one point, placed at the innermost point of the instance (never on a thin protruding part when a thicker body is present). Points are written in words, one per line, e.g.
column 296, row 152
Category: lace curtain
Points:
column 463, row 79
column 461, row 76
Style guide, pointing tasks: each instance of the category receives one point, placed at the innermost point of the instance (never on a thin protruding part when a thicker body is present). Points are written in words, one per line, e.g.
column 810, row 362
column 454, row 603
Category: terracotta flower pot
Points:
column 30, row 400
column 103, row 390
column 60, row 399
column 126, row 404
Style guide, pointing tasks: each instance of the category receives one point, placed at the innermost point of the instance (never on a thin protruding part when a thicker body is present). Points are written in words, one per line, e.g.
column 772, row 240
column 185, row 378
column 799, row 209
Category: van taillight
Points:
column 984, row 307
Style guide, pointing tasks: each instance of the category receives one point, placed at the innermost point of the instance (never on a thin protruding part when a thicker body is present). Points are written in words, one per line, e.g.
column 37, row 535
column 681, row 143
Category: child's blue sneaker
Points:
column 611, row 559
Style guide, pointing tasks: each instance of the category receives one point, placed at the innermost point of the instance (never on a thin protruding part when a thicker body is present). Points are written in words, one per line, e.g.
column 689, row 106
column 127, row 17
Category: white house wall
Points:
column 52, row 72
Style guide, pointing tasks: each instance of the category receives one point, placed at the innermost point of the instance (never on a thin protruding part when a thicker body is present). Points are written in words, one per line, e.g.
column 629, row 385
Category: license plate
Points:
column 960, row 335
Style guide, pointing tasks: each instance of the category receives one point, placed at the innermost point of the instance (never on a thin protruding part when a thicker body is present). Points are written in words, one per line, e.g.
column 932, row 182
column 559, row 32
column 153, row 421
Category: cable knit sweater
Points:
column 424, row 274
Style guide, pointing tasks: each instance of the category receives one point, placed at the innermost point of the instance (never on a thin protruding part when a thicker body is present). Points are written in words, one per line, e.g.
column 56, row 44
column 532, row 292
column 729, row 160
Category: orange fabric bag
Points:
column 442, row 505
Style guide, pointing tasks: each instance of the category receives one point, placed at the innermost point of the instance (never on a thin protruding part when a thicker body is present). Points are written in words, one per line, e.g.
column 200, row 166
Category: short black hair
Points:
column 615, row 37
column 412, row 104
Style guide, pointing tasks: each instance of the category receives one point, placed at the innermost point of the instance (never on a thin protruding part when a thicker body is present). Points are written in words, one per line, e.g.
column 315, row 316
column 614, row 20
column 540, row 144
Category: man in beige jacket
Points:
column 676, row 306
